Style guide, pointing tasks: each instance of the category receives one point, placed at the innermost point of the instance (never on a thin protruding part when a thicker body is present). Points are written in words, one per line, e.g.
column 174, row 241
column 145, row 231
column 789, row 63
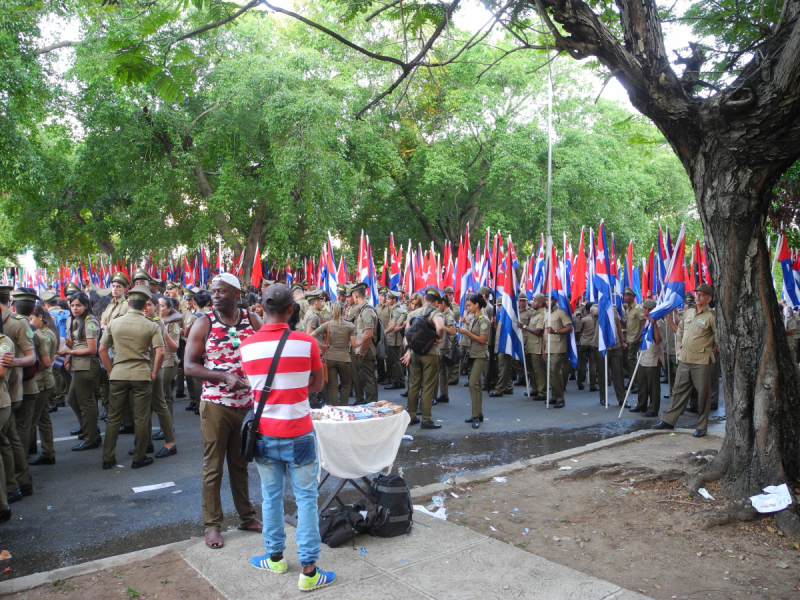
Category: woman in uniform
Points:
column 43, row 321
column 339, row 337
column 478, row 332
column 157, row 403
column 172, row 335
column 83, row 331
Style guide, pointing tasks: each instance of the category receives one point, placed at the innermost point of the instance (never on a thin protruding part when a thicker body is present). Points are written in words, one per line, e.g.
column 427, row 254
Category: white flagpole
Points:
column 630, row 385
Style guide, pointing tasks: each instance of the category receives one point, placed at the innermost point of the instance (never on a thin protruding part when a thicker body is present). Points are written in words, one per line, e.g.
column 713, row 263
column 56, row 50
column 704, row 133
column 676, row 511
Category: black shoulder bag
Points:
column 251, row 421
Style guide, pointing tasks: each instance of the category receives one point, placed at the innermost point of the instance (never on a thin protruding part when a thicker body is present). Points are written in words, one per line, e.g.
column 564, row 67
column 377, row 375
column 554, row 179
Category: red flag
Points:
column 257, row 274
column 579, row 275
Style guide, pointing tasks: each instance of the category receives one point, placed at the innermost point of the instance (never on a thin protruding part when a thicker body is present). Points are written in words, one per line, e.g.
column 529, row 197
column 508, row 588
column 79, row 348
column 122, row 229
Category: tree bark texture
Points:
column 734, row 145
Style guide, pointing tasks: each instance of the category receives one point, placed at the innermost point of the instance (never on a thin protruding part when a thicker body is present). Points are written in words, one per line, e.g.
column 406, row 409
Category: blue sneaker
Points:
column 318, row 580
column 265, row 563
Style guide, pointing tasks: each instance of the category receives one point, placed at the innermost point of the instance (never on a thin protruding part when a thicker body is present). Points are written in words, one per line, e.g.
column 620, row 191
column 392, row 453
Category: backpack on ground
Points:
column 341, row 524
column 421, row 333
column 392, row 498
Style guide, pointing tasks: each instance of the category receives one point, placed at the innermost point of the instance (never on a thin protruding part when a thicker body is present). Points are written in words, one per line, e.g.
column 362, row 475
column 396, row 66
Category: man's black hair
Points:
column 202, row 298
column 136, row 304
column 24, row 307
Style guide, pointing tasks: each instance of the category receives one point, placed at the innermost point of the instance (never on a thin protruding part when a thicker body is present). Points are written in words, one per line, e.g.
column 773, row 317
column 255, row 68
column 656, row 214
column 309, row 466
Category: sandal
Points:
column 254, row 526
column 214, row 539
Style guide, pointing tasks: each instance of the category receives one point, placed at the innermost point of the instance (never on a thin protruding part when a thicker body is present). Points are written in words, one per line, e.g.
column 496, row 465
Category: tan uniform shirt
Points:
column 132, row 335
column 314, row 318
column 399, row 315
column 588, row 324
column 697, row 336
column 364, row 320
column 431, row 318
column 91, row 330
column 596, row 338
column 43, row 345
column 447, row 342
column 45, row 379
column 558, row 320
column 18, row 329
column 384, row 314
column 479, row 326
column 339, row 340
column 114, row 309
column 655, row 353
column 304, row 308
column 6, row 346
column 634, row 319
column 172, row 328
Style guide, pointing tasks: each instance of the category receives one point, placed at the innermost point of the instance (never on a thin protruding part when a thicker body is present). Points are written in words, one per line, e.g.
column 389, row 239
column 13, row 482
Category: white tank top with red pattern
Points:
column 222, row 354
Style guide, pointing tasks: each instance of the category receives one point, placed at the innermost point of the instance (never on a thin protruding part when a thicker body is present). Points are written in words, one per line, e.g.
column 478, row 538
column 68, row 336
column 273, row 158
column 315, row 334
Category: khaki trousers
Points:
column 15, row 456
column 475, row 389
column 5, row 416
column 423, row 371
column 631, row 357
column 138, row 394
column 222, row 426
column 396, row 373
column 445, row 368
column 354, row 377
column 649, row 379
column 504, row 374
column 337, row 371
column 691, row 376
column 159, row 406
column 83, row 401
column 168, row 381
column 615, row 367
column 539, row 379
column 25, row 423
column 41, row 419
column 557, row 375
column 366, row 376
column 586, row 354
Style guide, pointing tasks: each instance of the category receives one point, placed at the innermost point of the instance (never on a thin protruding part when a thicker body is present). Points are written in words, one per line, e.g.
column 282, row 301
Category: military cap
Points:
column 314, row 295
column 139, row 292
column 432, row 291
column 72, row 288
column 449, row 290
column 540, row 298
column 189, row 292
column 121, row 278
column 297, row 286
column 21, row 294
column 304, row 283
column 649, row 304
column 155, row 280
column 341, row 288
column 705, row 288
column 93, row 288
column 628, row 291
column 47, row 296
column 484, row 290
column 393, row 294
column 688, row 297
column 522, row 297
column 383, row 289
column 358, row 286
column 171, row 285
column 141, row 274
column 104, row 292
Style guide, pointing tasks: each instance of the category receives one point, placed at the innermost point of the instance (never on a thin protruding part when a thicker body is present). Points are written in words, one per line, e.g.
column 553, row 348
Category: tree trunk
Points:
column 760, row 382
column 255, row 238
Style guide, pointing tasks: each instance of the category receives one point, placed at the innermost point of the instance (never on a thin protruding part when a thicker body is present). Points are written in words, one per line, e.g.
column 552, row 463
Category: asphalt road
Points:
column 79, row 512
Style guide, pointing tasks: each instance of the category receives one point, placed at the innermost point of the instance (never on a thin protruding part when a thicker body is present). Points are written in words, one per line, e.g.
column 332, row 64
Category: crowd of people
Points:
column 130, row 349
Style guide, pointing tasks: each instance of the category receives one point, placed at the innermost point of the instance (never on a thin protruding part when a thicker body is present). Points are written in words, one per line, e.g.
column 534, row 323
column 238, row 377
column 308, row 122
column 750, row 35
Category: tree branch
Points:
column 214, row 25
column 203, row 114
column 380, row 10
column 56, row 46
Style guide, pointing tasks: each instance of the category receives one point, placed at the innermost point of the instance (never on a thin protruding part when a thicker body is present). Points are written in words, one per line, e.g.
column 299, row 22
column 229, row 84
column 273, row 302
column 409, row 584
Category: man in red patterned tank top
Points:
column 213, row 357
column 286, row 438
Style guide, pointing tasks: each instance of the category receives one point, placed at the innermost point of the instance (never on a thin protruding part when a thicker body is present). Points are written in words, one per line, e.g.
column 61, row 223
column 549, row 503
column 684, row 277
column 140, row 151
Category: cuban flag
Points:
column 289, row 275
column 394, row 270
column 591, row 292
column 509, row 335
column 790, row 291
column 527, row 278
column 557, row 291
column 484, row 262
column 672, row 292
column 538, row 269
column 328, row 275
column 606, row 321
column 372, row 280
column 205, row 273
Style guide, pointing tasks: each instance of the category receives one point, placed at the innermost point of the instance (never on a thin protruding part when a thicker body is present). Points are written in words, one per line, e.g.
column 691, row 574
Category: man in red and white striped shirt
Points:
column 286, row 436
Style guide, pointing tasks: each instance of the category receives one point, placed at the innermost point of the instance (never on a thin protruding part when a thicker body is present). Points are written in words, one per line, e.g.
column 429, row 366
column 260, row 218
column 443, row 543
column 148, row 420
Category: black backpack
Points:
column 421, row 333
column 392, row 498
column 341, row 524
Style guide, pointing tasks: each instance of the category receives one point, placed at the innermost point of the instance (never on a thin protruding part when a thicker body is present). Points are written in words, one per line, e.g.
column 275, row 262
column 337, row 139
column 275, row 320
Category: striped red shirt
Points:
column 287, row 412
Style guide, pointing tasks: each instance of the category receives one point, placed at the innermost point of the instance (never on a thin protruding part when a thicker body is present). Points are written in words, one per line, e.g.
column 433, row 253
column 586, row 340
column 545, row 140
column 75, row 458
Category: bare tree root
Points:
column 734, row 511
column 788, row 521
column 704, row 476
column 668, row 475
column 585, row 472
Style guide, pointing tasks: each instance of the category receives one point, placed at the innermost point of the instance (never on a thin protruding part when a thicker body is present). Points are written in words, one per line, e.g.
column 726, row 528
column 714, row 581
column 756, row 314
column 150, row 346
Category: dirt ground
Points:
column 643, row 536
column 166, row 576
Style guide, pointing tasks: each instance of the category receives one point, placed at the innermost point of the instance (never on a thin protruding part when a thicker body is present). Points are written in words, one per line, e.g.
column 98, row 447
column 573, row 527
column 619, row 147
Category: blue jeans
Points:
column 273, row 455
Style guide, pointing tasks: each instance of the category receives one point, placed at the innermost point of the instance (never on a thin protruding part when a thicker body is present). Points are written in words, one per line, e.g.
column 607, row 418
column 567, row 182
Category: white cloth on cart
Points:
column 351, row 449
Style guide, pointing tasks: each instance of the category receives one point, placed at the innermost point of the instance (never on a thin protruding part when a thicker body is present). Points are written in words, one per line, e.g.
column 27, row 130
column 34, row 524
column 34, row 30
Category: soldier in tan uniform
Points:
column 697, row 348
column 299, row 298
column 384, row 312
column 394, row 338
column 632, row 322
column 453, row 367
column 615, row 359
column 158, row 403
column 6, row 357
column 117, row 307
column 365, row 318
column 586, row 352
column 315, row 316
column 42, row 320
column 131, row 335
column 558, row 326
column 445, row 347
column 532, row 323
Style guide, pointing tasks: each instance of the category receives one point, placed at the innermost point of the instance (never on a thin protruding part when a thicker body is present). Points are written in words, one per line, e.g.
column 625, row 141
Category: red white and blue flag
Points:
column 606, row 320
column 509, row 335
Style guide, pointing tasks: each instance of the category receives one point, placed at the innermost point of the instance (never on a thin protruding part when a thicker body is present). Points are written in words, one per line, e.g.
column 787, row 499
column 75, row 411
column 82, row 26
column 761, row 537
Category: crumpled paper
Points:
column 775, row 498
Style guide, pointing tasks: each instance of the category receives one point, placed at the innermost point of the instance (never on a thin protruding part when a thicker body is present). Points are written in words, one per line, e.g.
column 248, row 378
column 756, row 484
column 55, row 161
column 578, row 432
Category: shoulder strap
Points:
column 271, row 375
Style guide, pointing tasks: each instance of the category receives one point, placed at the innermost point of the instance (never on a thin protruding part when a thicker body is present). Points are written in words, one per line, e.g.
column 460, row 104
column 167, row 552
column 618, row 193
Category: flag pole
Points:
column 606, row 374
column 549, row 288
column 630, row 385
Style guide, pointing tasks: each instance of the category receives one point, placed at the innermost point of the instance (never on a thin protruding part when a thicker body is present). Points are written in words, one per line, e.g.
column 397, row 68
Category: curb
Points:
column 28, row 582
column 22, row 584
column 429, row 490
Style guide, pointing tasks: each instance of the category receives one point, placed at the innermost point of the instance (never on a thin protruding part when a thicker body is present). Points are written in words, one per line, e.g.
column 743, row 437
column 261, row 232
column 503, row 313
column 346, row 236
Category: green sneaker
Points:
column 265, row 563
column 318, row 580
